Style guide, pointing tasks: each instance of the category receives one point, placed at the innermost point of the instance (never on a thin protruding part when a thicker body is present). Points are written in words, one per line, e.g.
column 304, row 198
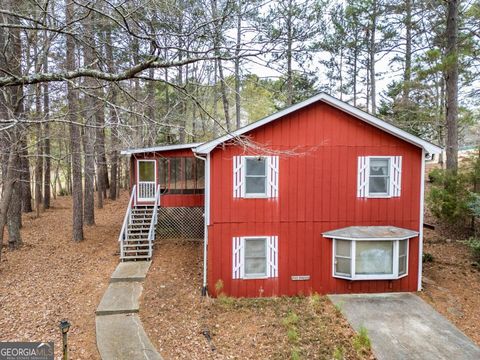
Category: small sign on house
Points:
column 300, row 277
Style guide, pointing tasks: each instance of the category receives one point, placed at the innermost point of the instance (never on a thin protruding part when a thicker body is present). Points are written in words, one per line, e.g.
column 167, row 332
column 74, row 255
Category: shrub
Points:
column 427, row 257
column 474, row 244
column 449, row 197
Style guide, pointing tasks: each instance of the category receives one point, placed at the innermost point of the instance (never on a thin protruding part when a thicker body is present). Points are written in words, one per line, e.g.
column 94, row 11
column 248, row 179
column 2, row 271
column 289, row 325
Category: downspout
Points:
column 420, row 231
column 206, row 217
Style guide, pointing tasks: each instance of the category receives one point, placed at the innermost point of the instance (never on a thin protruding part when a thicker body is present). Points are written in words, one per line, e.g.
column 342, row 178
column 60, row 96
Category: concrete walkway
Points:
column 120, row 334
column 403, row 326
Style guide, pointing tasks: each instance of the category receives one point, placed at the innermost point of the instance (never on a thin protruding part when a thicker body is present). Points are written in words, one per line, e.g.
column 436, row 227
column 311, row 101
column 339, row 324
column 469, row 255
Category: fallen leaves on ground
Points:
column 51, row 278
column 179, row 321
column 452, row 282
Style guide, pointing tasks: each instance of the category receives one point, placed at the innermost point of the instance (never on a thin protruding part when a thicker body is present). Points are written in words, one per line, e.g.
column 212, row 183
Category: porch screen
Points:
column 181, row 175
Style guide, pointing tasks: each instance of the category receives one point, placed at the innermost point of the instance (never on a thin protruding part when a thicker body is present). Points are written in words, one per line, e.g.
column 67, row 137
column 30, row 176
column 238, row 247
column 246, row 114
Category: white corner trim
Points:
column 420, row 230
column 370, row 119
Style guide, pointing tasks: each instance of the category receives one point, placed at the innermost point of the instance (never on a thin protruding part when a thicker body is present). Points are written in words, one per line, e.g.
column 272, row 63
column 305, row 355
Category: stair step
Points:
column 135, row 245
column 136, row 257
column 142, row 252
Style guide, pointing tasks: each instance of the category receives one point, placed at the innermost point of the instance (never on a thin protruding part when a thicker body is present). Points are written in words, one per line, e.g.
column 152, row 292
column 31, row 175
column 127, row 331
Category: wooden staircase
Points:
column 138, row 231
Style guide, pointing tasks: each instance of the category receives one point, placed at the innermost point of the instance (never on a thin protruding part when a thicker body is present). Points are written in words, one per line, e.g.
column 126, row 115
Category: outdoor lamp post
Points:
column 65, row 326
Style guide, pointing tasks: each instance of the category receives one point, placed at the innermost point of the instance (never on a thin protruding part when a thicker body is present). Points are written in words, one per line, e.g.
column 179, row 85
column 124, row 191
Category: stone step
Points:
column 131, row 271
column 120, row 298
column 121, row 337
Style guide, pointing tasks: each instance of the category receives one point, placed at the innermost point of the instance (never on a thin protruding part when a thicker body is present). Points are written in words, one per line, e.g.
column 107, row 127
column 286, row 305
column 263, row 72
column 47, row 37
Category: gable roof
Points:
column 159, row 148
column 206, row 147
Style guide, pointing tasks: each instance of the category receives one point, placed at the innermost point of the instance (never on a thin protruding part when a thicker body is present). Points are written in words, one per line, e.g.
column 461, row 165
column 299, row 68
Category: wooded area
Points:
column 81, row 80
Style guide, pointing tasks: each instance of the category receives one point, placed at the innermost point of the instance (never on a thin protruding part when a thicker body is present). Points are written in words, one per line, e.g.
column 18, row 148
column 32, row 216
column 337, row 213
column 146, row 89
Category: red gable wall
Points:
column 317, row 193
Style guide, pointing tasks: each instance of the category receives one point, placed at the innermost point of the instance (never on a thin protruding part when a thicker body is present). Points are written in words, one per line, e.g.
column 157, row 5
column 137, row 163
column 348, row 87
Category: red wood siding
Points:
column 168, row 200
column 317, row 193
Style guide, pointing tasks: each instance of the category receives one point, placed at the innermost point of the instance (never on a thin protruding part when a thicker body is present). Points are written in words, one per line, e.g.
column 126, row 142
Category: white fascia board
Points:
column 362, row 115
column 159, row 148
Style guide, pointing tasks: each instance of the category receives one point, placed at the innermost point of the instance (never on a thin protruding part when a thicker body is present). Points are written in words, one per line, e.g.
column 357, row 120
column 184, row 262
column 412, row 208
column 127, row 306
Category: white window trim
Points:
column 242, row 268
column 390, row 179
column 255, row 195
column 395, row 254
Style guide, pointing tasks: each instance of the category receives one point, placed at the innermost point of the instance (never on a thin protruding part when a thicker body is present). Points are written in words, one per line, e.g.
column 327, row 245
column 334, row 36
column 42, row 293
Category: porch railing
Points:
column 127, row 220
column 146, row 190
column 153, row 221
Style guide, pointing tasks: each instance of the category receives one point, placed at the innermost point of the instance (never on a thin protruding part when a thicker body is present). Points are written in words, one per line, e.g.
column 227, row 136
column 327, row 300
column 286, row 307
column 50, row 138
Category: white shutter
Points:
column 362, row 176
column 396, row 175
column 237, row 258
column 238, row 176
column 272, row 176
column 272, row 256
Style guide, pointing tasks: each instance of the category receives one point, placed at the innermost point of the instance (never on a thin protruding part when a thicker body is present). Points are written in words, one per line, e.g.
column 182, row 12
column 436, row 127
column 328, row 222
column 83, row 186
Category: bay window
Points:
column 370, row 259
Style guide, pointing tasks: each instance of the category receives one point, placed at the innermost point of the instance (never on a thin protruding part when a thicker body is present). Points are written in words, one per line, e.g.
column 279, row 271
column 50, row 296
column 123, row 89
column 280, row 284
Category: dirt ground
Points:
column 51, row 278
column 179, row 321
column 452, row 283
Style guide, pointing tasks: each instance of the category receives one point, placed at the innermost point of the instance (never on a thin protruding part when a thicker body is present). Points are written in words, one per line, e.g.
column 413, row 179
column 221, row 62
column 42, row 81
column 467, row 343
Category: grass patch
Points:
column 361, row 341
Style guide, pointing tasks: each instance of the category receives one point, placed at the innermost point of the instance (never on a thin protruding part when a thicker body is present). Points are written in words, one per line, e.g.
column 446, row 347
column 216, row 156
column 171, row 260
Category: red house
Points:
column 319, row 197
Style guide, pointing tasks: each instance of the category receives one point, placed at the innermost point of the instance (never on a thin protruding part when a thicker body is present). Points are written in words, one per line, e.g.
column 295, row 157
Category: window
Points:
column 255, row 257
column 370, row 259
column 181, row 175
column 255, row 176
column 379, row 176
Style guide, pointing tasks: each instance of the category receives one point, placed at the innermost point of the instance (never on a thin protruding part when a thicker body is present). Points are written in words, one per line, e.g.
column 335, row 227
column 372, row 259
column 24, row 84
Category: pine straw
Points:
column 51, row 278
column 452, row 282
column 176, row 317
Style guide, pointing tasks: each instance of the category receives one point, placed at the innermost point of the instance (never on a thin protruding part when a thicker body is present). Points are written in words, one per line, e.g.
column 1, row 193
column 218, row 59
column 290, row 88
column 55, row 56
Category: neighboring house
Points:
column 319, row 197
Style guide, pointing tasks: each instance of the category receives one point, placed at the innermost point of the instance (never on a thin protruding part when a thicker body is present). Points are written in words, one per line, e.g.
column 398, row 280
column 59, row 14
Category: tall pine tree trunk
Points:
column 89, row 130
column 289, row 54
column 373, row 30
column 46, row 141
column 407, row 73
column 75, row 141
column 452, row 85
column 114, row 141
column 237, row 65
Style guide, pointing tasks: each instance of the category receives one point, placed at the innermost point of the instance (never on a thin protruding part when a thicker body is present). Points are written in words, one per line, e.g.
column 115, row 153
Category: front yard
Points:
column 183, row 325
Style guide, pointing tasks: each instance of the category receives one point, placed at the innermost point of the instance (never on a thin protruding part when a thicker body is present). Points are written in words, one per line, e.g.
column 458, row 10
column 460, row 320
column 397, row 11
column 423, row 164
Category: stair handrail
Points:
column 153, row 221
column 127, row 220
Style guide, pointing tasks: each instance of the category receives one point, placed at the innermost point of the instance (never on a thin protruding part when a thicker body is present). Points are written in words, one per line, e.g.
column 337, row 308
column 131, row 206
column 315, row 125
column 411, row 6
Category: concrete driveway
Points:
column 403, row 326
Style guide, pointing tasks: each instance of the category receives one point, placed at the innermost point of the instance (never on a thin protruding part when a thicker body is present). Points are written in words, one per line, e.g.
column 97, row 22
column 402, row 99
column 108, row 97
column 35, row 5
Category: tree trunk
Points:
column 15, row 214
column 289, row 55
column 407, row 75
column 237, row 65
column 75, row 141
column 452, row 85
column 39, row 162
column 216, row 44
column 114, row 142
column 89, row 130
column 46, row 143
column 6, row 196
column 373, row 30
